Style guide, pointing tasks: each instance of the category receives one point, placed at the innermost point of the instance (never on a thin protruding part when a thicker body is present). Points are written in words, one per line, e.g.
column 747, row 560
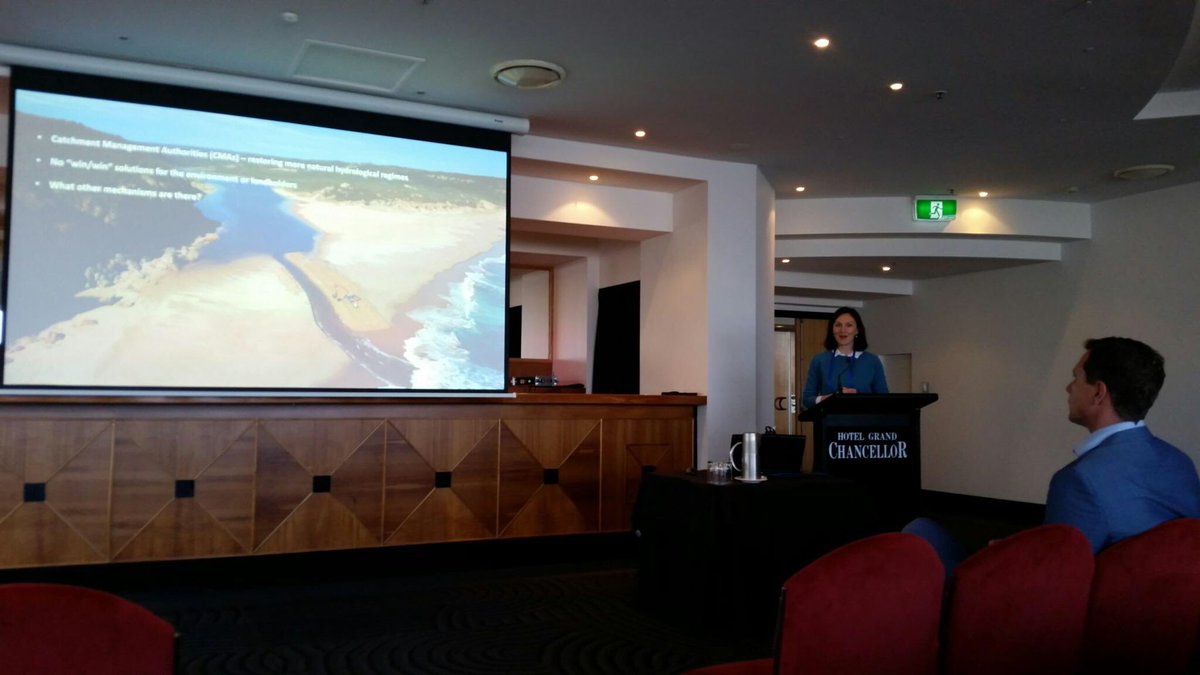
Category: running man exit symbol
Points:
column 934, row 208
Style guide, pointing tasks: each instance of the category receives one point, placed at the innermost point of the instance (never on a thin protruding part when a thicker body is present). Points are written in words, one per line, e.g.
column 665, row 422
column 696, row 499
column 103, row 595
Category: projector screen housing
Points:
column 166, row 240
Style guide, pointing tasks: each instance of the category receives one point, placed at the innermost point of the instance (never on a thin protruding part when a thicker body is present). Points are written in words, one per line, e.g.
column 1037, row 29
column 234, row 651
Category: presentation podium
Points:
column 874, row 439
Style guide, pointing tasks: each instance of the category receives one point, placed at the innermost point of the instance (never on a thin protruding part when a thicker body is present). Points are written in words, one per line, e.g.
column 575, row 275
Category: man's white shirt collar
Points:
column 1097, row 437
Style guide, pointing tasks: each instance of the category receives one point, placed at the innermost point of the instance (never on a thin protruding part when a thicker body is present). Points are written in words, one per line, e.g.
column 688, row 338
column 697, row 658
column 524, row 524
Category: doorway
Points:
column 799, row 336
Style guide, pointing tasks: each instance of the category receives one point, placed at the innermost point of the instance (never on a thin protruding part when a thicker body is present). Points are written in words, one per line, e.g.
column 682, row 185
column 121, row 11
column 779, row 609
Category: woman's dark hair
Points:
column 860, row 340
column 1132, row 371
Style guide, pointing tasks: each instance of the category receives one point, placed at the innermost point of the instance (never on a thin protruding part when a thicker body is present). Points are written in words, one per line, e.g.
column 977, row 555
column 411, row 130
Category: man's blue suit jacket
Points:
column 1126, row 485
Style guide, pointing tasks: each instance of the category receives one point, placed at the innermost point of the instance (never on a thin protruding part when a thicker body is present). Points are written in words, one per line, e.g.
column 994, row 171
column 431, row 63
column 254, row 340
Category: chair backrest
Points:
column 1144, row 615
column 872, row 606
column 1019, row 605
column 52, row 629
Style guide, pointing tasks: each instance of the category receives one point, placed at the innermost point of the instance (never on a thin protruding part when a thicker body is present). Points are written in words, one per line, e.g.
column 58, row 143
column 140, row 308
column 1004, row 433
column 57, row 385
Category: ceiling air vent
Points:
column 1143, row 171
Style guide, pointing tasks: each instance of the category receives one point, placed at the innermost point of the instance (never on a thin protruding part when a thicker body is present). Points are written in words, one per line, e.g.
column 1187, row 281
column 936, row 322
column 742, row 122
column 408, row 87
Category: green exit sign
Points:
column 934, row 208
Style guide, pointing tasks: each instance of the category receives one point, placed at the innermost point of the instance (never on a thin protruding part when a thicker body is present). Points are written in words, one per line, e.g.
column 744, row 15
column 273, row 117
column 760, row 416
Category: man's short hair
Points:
column 1132, row 371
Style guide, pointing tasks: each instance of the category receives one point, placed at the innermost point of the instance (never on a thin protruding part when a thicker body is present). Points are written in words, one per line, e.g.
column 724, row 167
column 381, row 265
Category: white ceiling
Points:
column 1040, row 96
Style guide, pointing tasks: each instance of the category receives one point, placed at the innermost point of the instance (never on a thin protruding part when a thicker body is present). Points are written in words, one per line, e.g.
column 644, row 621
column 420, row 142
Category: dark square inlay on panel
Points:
column 185, row 489
column 322, row 483
column 35, row 492
column 550, row 477
column 648, row 468
column 441, row 479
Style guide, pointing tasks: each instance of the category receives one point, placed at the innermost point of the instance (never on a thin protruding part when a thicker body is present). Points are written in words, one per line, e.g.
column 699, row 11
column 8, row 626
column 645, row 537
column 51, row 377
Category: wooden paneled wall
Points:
column 98, row 482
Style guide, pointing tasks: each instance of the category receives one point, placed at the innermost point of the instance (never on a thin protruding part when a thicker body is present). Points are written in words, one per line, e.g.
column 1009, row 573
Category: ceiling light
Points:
column 1144, row 171
column 983, row 193
column 593, row 177
column 640, row 133
column 528, row 74
column 896, row 86
column 886, row 268
column 289, row 17
column 786, row 261
column 821, row 43
column 800, row 188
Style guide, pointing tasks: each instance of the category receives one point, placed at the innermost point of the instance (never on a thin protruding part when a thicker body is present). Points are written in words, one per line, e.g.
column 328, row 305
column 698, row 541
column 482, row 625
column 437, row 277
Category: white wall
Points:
column 574, row 321
column 876, row 216
column 587, row 204
column 531, row 290
column 998, row 346
column 715, row 350
column 674, row 305
column 620, row 262
column 765, row 310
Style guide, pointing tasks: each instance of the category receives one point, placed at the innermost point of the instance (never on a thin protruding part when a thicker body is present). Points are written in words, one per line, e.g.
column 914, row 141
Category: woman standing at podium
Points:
column 847, row 368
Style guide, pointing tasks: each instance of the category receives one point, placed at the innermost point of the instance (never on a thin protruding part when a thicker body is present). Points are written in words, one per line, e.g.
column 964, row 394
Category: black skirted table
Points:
column 714, row 556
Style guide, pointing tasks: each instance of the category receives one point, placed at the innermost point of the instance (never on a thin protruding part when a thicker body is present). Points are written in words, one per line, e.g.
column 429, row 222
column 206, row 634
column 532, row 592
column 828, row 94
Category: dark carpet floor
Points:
column 578, row 618
column 557, row 605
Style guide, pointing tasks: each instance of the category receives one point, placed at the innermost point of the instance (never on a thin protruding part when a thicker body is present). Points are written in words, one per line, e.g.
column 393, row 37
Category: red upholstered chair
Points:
column 51, row 629
column 872, row 606
column 1019, row 605
column 1144, row 615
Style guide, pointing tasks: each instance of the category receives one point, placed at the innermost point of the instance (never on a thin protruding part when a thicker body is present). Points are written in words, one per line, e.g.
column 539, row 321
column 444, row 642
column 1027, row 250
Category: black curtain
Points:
column 618, row 329
column 513, row 325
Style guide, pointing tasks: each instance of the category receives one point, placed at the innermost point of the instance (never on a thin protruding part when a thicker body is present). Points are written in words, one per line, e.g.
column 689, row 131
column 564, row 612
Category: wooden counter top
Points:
column 492, row 399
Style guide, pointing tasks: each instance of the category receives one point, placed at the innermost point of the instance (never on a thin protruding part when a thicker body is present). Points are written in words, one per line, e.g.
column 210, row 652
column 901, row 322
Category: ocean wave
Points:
column 461, row 342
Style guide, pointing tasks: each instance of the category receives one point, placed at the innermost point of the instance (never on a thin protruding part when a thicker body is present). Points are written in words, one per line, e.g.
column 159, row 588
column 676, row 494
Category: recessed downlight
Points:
column 896, row 86
column 786, row 261
column 800, row 188
column 640, row 133
column 983, row 193
column 821, row 43
column 593, row 178
column 886, row 268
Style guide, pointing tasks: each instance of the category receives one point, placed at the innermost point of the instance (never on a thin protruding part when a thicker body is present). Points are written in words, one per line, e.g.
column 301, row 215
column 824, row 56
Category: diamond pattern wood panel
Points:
column 282, row 485
column 320, row 446
column 225, row 489
column 80, row 491
column 357, row 486
column 181, row 529
column 521, row 476
column 408, row 481
column 149, row 520
column 631, row 446
column 466, row 449
column 568, row 506
column 33, row 535
column 319, row 523
column 70, row 460
column 233, row 479
column 36, row 449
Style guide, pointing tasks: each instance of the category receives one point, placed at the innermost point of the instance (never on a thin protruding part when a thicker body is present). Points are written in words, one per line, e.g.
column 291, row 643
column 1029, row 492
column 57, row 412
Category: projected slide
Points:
column 168, row 248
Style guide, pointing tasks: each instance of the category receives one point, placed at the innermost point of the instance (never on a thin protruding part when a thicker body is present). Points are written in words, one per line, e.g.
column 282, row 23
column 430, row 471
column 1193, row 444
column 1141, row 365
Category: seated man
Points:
column 1124, row 480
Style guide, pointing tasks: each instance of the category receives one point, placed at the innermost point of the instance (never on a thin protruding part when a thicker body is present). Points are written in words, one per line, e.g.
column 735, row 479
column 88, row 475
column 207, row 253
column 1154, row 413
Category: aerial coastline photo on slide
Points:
column 161, row 247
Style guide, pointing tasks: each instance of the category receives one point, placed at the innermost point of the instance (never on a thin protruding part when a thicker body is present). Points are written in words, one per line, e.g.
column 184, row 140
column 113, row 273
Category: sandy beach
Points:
column 241, row 324
column 382, row 258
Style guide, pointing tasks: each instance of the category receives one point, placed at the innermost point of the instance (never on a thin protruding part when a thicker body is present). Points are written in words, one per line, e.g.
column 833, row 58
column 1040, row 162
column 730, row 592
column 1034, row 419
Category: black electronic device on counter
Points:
column 778, row 454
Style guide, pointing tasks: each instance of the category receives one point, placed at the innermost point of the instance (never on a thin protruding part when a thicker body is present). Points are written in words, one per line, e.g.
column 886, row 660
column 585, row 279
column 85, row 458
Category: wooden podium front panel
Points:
column 632, row 448
column 94, row 484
